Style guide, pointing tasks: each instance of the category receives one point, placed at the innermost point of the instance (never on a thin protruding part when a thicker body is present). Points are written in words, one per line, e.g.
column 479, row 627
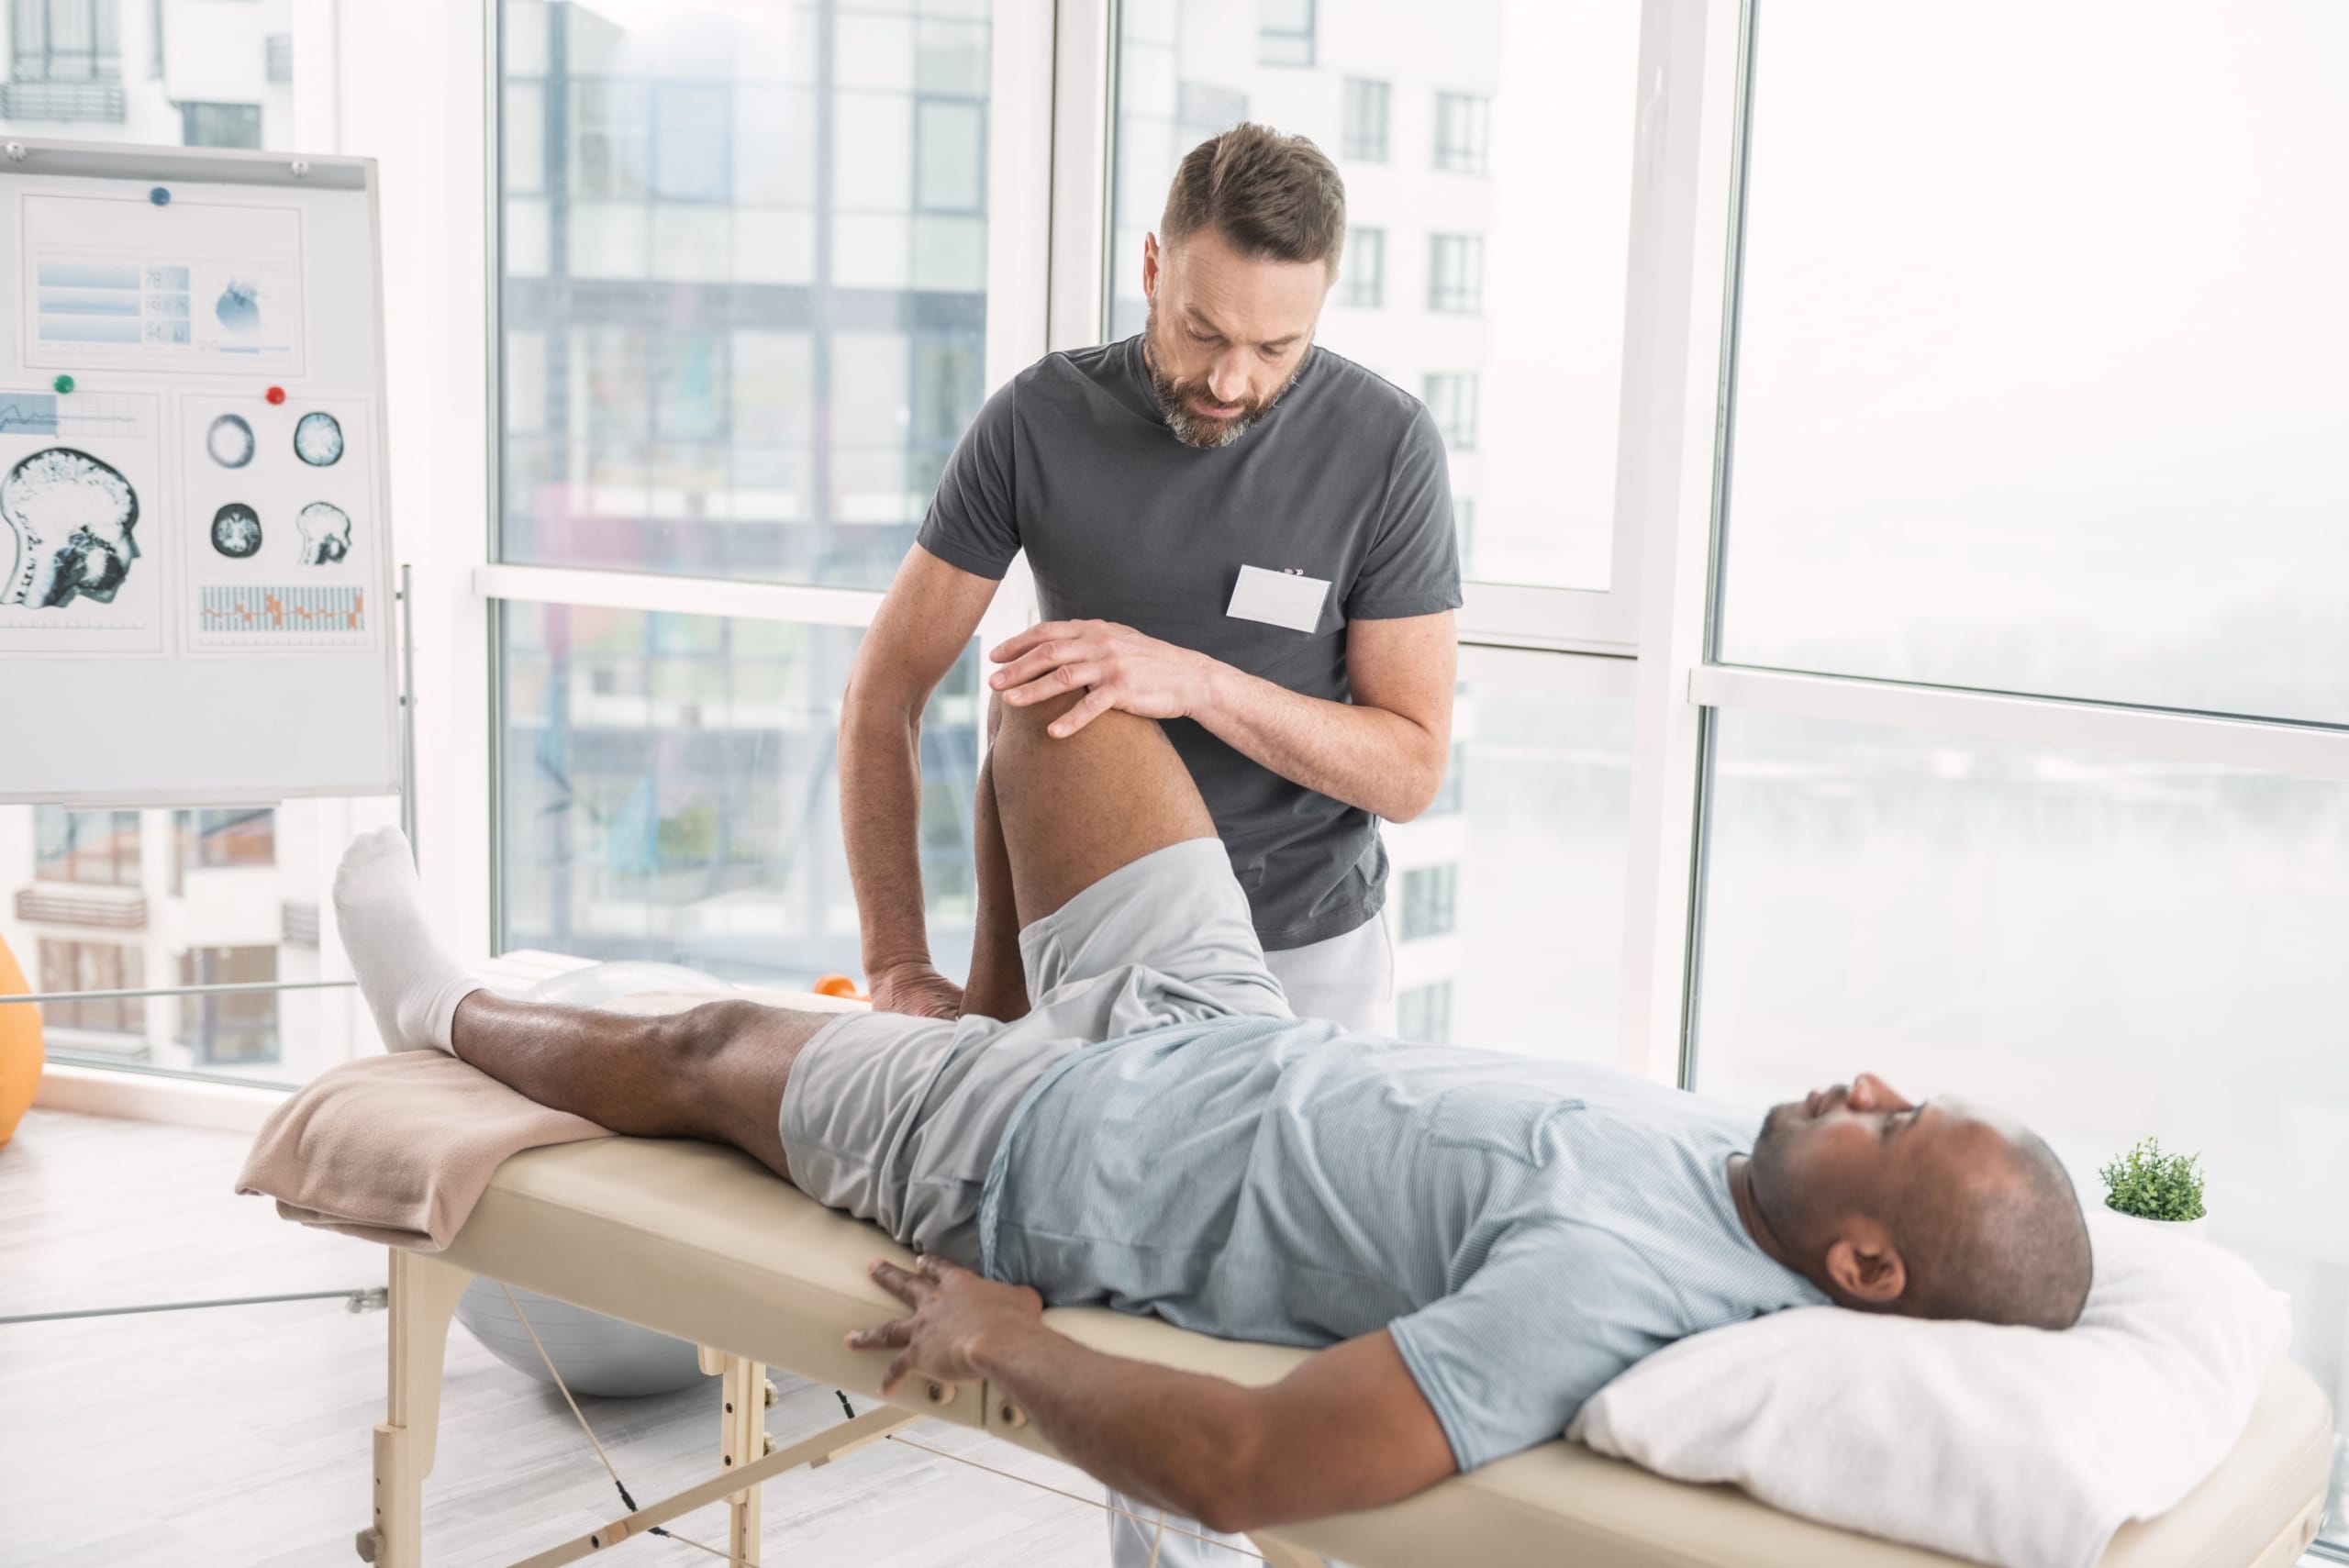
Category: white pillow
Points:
column 2016, row 1447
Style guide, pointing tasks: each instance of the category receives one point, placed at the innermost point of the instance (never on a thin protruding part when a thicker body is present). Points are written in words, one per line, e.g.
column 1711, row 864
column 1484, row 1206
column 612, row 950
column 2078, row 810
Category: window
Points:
column 220, row 125
column 2060, row 501
column 1456, row 273
column 1364, row 137
column 93, row 966
column 1429, row 894
column 238, row 1029
column 1460, row 132
column 786, row 299
column 64, row 40
column 1452, row 399
column 2008, row 856
column 1362, row 275
column 672, row 793
column 97, row 847
column 1540, row 101
column 277, row 60
column 1423, row 1013
column 1285, row 32
column 211, row 840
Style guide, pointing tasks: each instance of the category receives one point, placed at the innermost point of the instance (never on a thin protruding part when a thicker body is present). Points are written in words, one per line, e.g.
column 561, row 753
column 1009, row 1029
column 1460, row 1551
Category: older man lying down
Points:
column 1479, row 1240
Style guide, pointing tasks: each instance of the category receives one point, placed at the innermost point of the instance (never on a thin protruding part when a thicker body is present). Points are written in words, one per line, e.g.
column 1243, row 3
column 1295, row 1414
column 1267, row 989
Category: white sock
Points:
column 411, row 985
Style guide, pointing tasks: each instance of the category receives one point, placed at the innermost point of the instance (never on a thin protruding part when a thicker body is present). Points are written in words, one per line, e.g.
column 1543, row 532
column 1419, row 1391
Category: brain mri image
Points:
column 71, row 518
column 231, row 441
column 235, row 530
column 326, row 533
column 317, row 440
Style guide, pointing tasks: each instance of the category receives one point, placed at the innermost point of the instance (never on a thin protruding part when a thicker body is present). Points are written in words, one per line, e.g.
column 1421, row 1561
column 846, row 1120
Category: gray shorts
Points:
column 896, row 1119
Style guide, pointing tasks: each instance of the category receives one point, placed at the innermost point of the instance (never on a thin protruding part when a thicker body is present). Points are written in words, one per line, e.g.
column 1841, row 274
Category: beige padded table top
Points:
column 700, row 1242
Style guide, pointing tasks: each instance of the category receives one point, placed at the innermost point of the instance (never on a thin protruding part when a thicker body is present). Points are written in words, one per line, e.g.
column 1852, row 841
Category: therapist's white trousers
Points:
column 1348, row 978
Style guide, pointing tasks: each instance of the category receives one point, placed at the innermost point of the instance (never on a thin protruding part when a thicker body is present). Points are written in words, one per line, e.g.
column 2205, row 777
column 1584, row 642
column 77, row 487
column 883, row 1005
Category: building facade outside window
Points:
column 1423, row 1013
column 220, row 125
column 1451, row 397
column 1364, row 138
column 89, row 847
column 1430, row 901
column 73, row 965
column 237, row 1029
column 64, row 40
column 1460, row 132
column 1285, row 32
column 1456, row 273
column 1362, row 275
column 238, row 836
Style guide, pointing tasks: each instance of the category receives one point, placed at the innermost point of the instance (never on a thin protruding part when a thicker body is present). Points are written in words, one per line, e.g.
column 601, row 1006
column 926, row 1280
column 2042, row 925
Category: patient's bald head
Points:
column 1944, row 1210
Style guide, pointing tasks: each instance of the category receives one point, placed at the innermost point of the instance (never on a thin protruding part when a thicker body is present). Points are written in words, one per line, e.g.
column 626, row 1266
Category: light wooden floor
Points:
column 239, row 1436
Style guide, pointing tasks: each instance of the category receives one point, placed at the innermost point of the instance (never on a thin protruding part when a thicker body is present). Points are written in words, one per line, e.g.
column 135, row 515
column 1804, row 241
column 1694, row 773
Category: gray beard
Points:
column 1195, row 430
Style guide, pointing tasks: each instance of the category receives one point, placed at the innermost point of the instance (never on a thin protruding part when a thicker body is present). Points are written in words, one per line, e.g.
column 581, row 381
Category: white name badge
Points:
column 1279, row 598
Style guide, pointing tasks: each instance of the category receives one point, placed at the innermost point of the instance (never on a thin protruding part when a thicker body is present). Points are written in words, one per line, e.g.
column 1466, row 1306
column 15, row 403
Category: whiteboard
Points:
column 197, row 607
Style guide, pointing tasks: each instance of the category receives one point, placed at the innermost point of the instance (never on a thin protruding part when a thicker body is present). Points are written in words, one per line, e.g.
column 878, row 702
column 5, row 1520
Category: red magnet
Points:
column 275, row 395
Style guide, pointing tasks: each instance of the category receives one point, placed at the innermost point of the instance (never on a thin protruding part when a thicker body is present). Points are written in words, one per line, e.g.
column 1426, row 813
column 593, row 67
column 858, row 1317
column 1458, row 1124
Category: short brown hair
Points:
column 1268, row 195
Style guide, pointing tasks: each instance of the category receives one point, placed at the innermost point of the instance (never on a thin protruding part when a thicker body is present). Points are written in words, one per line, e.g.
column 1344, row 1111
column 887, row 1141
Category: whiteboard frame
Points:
column 285, row 171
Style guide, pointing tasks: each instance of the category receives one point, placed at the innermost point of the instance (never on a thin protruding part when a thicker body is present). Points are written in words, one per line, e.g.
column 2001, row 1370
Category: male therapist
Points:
column 1232, row 530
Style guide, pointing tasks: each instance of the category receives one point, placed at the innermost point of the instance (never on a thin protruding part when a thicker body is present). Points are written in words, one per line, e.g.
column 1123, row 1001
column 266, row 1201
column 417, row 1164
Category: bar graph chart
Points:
column 238, row 615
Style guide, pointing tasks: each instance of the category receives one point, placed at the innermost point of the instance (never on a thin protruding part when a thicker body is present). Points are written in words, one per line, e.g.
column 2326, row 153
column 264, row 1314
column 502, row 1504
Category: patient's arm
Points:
column 1349, row 1428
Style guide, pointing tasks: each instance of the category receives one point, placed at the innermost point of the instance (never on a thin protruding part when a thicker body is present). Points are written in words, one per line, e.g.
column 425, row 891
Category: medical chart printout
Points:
column 197, row 598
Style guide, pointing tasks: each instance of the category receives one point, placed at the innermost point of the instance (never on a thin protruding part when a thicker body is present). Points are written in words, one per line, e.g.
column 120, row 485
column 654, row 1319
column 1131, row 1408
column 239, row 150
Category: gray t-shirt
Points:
column 1344, row 479
column 1526, row 1229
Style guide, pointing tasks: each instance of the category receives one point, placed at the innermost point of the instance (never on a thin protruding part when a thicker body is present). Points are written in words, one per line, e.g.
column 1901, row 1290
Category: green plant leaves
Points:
column 2151, row 1185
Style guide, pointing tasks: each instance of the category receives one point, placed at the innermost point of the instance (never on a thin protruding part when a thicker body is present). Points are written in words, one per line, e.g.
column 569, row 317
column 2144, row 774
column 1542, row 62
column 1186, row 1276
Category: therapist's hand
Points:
column 955, row 1313
column 917, row 989
column 1125, row 669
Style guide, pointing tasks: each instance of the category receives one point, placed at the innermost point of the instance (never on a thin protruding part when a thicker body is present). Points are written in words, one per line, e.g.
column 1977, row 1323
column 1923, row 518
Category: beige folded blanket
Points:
column 397, row 1148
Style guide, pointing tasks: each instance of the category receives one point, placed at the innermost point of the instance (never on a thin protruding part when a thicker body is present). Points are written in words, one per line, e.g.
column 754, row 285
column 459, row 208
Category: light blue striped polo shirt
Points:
column 1527, row 1229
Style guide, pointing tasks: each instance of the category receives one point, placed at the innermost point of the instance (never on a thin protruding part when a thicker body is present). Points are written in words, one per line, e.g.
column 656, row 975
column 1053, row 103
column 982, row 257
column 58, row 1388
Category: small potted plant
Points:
column 2160, row 1189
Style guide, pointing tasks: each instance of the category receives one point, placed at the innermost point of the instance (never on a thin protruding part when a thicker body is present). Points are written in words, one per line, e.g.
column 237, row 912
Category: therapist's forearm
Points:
column 1174, row 1439
column 1387, row 764
column 880, row 810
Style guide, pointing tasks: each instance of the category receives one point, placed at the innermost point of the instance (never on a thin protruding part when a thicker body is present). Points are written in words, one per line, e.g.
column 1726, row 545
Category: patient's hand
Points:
column 917, row 989
column 955, row 1312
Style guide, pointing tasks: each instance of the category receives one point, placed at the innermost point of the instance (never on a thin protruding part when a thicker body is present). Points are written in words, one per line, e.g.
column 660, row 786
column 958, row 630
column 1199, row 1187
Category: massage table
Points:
column 701, row 1242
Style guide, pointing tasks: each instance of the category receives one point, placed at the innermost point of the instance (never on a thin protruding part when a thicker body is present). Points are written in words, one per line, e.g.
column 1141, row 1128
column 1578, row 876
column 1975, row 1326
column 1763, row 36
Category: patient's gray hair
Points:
column 2010, row 1246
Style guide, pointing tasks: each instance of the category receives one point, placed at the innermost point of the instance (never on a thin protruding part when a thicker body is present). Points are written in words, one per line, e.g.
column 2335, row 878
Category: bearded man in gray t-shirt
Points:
column 1231, row 531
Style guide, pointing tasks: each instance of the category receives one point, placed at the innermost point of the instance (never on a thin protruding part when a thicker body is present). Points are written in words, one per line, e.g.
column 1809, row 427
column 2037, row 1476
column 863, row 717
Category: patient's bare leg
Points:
column 716, row 1071
column 1074, row 810
column 1068, row 813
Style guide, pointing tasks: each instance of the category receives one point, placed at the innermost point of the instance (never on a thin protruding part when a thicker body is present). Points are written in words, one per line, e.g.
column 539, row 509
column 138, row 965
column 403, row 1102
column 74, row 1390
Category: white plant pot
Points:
column 2197, row 1228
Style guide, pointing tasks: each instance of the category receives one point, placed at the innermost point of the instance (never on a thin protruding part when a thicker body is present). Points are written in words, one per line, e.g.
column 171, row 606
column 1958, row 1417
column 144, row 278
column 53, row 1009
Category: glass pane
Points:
column 2109, row 947
column 672, row 793
column 1503, row 125
column 706, row 227
column 1506, row 899
column 2047, row 399
column 129, row 900
column 168, row 73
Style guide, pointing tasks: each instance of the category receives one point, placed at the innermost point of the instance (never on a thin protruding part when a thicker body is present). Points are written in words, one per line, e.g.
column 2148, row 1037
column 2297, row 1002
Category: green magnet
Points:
column 64, row 384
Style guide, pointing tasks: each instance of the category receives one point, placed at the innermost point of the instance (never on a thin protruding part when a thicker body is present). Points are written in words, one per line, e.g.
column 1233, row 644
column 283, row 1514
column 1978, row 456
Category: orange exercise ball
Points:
column 838, row 985
column 20, row 1052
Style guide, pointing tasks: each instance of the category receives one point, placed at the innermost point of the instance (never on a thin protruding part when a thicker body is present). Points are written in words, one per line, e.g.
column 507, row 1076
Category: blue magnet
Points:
column 160, row 196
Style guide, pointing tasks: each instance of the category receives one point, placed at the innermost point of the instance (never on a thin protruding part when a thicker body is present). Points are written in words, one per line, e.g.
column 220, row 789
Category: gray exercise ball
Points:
column 596, row 1355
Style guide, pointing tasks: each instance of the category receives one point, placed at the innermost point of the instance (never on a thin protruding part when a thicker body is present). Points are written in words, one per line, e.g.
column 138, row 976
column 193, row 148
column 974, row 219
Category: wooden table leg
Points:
column 424, row 1293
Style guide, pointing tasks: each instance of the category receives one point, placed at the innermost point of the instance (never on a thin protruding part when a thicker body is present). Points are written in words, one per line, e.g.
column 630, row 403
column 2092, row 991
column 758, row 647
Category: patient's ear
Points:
column 1862, row 1265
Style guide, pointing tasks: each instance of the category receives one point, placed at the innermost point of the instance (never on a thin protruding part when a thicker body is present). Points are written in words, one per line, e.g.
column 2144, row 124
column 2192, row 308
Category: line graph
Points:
column 83, row 417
